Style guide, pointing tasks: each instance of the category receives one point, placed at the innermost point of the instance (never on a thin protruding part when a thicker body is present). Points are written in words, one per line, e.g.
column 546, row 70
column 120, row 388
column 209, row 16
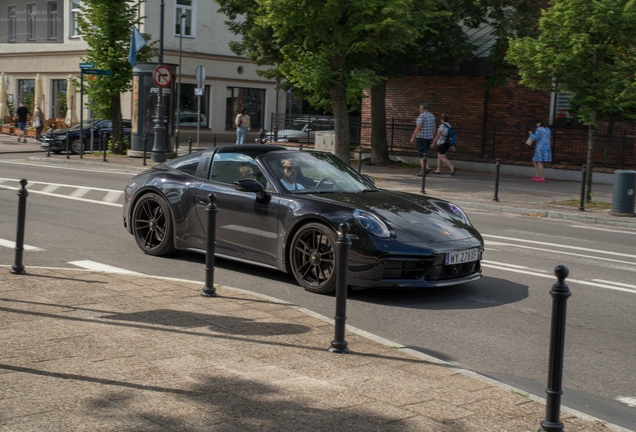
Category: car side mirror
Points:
column 250, row 185
column 368, row 177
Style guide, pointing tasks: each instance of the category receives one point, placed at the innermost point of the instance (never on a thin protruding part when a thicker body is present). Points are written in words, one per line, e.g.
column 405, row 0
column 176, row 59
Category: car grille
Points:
column 430, row 269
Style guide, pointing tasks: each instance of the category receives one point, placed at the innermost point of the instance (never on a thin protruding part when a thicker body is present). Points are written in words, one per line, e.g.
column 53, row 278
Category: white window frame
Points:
column 32, row 11
column 51, row 15
column 12, row 24
column 189, row 10
column 73, row 23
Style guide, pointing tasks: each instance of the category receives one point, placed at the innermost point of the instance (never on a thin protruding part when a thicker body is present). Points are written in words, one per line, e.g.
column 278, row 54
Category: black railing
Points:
column 613, row 147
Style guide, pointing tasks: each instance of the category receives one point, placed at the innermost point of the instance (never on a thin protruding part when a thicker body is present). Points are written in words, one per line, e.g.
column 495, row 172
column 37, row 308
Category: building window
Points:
column 75, row 11
column 58, row 96
column 12, row 24
column 562, row 109
column 31, row 11
column 253, row 100
column 51, row 20
column 184, row 7
column 188, row 114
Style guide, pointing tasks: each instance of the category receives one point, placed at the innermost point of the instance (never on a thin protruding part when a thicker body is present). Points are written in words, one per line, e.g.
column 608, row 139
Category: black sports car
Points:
column 57, row 138
column 280, row 209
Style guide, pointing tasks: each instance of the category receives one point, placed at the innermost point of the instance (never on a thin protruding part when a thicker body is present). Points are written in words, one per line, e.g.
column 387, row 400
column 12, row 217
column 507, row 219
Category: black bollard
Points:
column 48, row 150
column 360, row 160
column 301, row 146
column 189, row 145
column 105, row 145
column 423, row 190
column 144, row 138
column 496, row 198
column 17, row 267
column 560, row 293
column 67, row 157
column 211, row 209
column 339, row 344
column 582, row 203
column 214, row 140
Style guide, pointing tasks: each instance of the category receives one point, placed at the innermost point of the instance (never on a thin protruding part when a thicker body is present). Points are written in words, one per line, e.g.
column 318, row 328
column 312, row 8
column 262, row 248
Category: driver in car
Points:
column 289, row 170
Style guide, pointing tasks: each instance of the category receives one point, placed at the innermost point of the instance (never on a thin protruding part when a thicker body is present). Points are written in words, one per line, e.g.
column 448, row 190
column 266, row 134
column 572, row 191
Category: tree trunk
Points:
column 118, row 127
column 337, row 92
column 591, row 132
column 379, row 145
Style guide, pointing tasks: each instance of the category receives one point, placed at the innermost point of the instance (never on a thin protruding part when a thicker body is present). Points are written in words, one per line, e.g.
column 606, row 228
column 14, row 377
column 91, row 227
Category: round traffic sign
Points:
column 162, row 76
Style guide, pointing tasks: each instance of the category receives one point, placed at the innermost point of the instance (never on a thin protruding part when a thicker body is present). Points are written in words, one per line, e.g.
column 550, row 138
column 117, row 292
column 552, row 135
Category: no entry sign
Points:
column 162, row 76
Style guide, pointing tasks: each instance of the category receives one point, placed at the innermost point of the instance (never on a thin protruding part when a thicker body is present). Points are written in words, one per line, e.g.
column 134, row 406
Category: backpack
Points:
column 451, row 136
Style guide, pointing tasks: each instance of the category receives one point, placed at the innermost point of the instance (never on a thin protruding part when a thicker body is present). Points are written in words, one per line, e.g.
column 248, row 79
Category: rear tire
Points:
column 152, row 225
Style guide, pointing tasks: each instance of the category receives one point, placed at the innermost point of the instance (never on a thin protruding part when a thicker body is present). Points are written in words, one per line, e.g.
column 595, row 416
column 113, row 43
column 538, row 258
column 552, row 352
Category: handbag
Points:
column 37, row 123
column 529, row 141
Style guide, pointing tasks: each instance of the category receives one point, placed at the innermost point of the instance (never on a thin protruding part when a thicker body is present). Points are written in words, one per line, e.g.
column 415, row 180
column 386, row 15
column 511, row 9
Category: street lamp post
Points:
column 178, row 115
column 159, row 144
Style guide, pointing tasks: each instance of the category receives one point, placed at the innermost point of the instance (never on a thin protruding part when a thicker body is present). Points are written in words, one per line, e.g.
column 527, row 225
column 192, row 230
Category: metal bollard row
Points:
column 339, row 344
column 211, row 209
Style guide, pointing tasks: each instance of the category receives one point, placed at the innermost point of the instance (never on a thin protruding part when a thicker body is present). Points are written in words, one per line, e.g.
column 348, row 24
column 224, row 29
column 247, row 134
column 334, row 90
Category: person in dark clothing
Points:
column 22, row 113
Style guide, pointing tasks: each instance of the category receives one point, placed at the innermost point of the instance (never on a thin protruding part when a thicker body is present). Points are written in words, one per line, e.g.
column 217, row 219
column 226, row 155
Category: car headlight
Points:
column 372, row 223
column 459, row 213
column 60, row 137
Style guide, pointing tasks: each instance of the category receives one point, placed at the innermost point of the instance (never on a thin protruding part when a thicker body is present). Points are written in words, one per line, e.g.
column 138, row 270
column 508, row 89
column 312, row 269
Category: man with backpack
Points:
column 444, row 139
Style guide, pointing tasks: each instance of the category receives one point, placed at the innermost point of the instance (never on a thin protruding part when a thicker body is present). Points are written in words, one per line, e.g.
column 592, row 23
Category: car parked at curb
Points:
column 281, row 209
column 303, row 129
column 78, row 136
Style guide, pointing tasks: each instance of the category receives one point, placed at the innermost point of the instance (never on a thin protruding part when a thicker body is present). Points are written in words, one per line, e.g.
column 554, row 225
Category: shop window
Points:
column 58, row 96
column 253, row 100
column 188, row 114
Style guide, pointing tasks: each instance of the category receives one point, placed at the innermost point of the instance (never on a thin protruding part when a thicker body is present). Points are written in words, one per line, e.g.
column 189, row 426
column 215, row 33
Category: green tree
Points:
column 105, row 25
column 324, row 48
column 585, row 47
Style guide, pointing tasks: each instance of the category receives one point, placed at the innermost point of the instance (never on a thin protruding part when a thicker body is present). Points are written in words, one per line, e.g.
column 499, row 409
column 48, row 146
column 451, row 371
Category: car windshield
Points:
column 86, row 123
column 315, row 172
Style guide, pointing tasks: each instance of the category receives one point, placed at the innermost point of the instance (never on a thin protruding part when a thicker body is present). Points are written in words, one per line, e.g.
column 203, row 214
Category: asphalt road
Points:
column 498, row 326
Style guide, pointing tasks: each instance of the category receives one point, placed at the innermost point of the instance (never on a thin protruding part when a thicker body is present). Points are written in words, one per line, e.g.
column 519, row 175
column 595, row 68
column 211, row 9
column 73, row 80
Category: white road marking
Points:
column 11, row 244
column 112, row 196
column 494, row 243
column 41, row 164
column 560, row 246
column 603, row 229
column 501, row 266
column 511, row 265
column 80, row 192
column 627, row 400
column 615, row 283
column 92, row 265
column 50, row 188
column 59, row 184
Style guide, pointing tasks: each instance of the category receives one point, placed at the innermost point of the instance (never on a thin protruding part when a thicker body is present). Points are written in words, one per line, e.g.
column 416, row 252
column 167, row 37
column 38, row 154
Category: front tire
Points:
column 152, row 225
column 312, row 257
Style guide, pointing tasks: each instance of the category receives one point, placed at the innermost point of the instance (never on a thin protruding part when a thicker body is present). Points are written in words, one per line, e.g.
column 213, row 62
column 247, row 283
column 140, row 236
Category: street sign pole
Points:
column 162, row 78
column 200, row 76
column 81, row 134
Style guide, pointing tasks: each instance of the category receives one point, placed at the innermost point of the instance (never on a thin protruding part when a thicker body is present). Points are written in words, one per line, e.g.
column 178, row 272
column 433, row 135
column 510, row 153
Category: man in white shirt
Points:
column 289, row 169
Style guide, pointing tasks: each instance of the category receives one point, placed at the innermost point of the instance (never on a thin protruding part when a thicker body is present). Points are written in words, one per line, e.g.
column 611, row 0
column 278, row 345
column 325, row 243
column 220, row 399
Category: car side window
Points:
column 187, row 165
column 229, row 167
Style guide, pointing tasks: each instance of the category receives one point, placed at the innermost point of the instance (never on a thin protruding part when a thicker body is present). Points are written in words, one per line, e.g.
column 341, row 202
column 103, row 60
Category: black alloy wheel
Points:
column 152, row 225
column 312, row 257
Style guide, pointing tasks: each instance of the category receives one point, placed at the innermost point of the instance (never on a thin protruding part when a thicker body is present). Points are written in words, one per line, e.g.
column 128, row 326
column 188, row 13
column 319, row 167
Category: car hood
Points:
column 428, row 219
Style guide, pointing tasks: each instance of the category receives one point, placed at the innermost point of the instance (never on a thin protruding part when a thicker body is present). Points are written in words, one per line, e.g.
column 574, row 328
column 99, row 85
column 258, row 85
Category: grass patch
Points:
column 573, row 202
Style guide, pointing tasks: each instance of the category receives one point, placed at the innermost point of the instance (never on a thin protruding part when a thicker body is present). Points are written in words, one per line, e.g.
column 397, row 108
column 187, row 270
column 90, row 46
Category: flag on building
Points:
column 137, row 42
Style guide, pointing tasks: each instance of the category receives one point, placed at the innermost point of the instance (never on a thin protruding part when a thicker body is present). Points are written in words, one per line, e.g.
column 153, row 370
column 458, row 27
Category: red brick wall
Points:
column 463, row 99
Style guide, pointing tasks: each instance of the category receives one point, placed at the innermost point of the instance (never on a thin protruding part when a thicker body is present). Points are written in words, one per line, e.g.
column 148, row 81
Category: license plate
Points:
column 462, row 257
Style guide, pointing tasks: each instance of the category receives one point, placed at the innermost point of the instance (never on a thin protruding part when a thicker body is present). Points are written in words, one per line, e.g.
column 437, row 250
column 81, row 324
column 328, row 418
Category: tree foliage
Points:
column 585, row 47
column 326, row 48
column 105, row 25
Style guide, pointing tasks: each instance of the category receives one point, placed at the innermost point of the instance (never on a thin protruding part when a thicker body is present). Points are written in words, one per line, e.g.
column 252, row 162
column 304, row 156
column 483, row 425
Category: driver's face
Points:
column 289, row 170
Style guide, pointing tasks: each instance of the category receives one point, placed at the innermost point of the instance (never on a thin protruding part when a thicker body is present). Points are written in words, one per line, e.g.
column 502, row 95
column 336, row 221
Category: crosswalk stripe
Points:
column 112, row 196
column 80, row 192
column 50, row 188
column 11, row 245
column 92, row 265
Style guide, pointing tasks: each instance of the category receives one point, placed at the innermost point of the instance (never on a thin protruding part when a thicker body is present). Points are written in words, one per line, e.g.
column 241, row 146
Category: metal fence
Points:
column 613, row 148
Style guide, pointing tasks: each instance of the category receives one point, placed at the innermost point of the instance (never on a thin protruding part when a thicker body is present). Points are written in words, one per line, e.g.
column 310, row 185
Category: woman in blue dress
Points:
column 542, row 151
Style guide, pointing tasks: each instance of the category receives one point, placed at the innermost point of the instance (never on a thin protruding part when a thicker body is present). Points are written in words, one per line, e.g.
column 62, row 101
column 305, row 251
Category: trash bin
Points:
column 624, row 194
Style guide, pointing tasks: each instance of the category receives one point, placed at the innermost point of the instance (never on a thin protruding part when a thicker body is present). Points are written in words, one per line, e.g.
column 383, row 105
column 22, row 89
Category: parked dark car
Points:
column 398, row 239
column 58, row 136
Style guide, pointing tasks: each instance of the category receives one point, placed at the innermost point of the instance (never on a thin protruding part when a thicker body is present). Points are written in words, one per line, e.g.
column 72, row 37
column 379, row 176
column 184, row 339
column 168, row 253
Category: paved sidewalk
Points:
column 92, row 351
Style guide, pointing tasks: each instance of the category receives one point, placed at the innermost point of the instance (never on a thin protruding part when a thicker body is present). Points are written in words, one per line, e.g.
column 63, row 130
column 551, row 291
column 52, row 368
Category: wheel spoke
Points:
column 147, row 239
column 147, row 209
